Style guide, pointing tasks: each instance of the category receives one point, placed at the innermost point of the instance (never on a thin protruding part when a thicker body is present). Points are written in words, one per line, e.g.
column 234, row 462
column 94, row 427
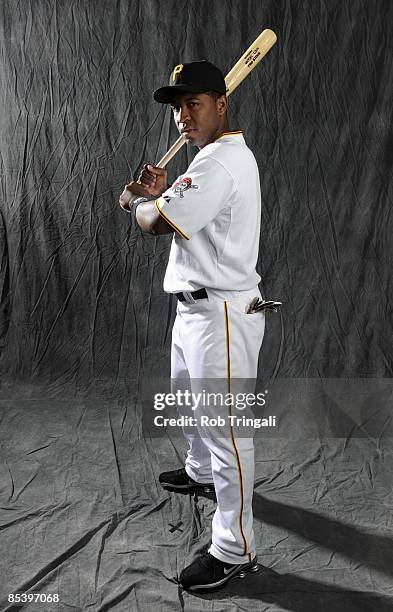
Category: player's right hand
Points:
column 153, row 180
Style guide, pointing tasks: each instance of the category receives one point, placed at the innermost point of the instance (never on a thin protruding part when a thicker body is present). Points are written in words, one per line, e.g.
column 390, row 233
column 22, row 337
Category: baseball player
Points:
column 213, row 211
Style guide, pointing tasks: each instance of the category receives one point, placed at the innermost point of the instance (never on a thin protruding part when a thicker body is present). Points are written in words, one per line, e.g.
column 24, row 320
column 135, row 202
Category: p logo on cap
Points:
column 177, row 70
column 195, row 77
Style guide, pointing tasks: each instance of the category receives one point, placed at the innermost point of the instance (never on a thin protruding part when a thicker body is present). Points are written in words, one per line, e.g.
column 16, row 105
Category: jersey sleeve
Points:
column 196, row 197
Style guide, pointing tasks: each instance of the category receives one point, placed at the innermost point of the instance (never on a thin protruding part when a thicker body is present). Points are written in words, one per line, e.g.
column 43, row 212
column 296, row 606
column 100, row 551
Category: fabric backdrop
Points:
column 84, row 319
column 81, row 288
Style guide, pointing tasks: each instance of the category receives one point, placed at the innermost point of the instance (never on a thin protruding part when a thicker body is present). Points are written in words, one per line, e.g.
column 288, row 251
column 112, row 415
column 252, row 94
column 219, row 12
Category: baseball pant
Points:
column 215, row 346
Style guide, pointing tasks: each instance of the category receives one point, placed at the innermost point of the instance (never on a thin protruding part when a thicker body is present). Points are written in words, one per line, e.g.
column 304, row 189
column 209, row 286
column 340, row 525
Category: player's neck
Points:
column 224, row 127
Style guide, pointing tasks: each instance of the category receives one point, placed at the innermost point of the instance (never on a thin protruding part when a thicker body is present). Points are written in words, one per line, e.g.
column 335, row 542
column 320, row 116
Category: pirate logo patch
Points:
column 181, row 186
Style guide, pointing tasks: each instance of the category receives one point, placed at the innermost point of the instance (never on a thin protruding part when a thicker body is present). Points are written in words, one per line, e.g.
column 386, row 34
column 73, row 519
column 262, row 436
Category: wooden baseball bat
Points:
column 255, row 52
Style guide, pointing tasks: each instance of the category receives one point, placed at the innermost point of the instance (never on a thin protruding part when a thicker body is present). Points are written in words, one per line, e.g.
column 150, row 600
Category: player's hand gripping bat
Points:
column 255, row 52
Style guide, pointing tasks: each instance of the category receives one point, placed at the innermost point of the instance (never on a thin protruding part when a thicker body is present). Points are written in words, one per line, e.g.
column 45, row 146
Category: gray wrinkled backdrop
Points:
column 81, row 289
column 83, row 316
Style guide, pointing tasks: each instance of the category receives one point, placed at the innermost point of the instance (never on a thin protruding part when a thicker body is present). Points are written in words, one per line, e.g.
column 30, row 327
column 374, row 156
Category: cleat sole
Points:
column 187, row 488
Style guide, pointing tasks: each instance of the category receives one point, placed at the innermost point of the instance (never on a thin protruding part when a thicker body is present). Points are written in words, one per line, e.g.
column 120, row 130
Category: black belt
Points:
column 191, row 296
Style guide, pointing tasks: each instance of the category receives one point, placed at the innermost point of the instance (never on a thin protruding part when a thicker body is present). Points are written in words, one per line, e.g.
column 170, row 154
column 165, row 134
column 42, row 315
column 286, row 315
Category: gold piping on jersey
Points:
column 173, row 225
column 239, row 467
column 236, row 132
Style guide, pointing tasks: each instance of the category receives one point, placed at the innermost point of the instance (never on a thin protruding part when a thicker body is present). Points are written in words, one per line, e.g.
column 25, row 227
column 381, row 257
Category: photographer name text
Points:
column 219, row 421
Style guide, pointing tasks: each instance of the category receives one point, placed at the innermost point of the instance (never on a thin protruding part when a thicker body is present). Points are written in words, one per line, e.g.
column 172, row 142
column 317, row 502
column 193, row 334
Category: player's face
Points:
column 199, row 117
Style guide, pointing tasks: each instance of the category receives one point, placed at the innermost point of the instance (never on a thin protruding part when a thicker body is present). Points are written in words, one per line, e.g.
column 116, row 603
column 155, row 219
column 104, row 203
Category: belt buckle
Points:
column 188, row 297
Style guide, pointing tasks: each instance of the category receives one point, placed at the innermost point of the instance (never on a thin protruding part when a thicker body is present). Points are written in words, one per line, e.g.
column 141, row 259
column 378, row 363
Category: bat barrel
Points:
column 256, row 51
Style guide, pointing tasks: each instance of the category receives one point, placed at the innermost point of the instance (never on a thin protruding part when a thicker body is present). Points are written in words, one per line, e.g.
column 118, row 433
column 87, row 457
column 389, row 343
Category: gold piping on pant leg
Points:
column 228, row 356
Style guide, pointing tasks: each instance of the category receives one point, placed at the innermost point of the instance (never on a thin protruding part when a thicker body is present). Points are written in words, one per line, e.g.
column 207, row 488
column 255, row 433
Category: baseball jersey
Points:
column 215, row 210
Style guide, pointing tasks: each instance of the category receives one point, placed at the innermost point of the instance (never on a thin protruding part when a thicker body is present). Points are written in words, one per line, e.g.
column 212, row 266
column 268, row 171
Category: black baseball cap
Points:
column 196, row 77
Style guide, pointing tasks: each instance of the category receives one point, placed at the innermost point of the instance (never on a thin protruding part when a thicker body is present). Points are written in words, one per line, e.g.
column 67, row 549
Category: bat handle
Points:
column 161, row 164
column 171, row 152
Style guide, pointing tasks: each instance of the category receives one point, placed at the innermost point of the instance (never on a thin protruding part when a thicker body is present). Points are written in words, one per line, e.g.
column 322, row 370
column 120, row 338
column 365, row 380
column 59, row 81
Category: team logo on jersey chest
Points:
column 182, row 185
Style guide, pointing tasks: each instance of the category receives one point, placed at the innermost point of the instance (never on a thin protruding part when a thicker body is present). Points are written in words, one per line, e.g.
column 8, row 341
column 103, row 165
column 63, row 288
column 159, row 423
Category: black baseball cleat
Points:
column 207, row 573
column 179, row 480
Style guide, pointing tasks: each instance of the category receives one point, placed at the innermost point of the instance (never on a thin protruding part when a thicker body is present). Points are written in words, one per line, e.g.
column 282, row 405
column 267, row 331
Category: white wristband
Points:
column 133, row 204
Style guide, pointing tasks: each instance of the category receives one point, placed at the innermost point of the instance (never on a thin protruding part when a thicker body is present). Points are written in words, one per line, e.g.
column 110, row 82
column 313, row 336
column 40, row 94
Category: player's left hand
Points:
column 152, row 182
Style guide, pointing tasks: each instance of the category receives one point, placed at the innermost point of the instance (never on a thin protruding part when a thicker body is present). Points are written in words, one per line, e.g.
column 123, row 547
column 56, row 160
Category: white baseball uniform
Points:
column 214, row 208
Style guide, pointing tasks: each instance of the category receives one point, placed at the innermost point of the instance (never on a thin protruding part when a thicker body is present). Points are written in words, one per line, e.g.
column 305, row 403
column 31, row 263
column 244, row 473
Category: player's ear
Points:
column 222, row 105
